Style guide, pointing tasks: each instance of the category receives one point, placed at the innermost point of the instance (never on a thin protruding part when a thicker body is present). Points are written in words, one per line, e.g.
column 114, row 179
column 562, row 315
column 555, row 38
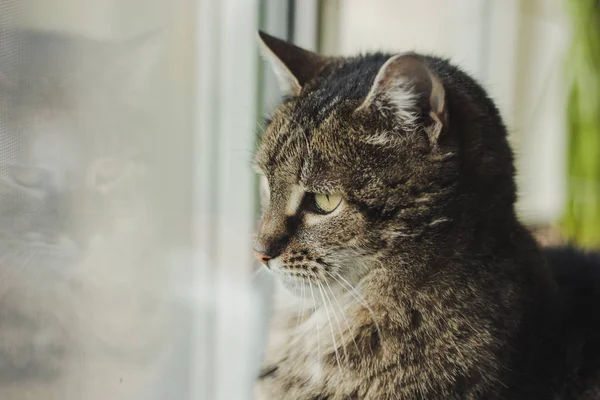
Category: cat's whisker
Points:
column 300, row 311
column 312, row 292
column 260, row 126
column 337, row 322
column 335, row 346
column 352, row 290
column 297, row 337
column 344, row 317
column 255, row 274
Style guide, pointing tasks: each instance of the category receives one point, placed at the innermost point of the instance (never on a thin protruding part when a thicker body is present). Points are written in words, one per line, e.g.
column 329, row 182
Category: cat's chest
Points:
column 317, row 356
column 302, row 340
column 307, row 355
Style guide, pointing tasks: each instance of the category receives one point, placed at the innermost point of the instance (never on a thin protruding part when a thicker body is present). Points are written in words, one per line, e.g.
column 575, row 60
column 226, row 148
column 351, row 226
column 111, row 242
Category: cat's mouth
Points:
column 302, row 279
column 334, row 274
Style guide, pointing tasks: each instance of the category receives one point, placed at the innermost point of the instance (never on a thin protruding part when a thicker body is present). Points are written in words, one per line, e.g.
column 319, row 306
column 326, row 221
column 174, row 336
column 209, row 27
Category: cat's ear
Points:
column 406, row 83
column 292, row 65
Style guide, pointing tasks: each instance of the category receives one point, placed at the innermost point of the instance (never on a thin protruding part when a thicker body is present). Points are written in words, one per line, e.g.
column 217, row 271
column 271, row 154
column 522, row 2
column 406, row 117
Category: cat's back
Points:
column 578, row 276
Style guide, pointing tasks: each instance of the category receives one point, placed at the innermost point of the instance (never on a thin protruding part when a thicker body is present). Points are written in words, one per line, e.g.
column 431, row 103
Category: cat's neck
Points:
column 460, row 313
column 375, row 328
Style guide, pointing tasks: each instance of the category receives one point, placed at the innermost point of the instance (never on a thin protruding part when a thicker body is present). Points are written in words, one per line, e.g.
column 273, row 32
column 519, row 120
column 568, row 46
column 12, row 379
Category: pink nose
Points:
column 261, row 257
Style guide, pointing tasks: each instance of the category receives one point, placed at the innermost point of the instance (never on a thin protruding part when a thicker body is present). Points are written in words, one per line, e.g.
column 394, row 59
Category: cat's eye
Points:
column 327, row 203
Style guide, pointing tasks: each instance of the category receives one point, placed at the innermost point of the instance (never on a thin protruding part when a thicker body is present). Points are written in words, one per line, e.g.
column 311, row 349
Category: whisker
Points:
column 343, row 316
column 352, row 290
column 335, row 346
column 337, row 322
column 300, row 311
column 260, row 127
column 256, row 273
column 314, row 313
column 303, row 299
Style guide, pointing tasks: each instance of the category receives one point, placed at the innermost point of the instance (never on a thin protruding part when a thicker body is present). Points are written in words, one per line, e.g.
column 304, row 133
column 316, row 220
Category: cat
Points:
column 76, row 219
column 390, row 227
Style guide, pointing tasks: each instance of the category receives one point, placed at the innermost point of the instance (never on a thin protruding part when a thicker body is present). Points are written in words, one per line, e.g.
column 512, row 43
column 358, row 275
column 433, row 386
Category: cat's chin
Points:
column 303, row 288
column 295, row 286
column 302, row 285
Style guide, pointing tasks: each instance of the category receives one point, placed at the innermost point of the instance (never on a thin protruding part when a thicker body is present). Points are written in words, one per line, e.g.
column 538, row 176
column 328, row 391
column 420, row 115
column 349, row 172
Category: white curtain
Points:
column 95, row 205
column 226, row 111
column 127, row 199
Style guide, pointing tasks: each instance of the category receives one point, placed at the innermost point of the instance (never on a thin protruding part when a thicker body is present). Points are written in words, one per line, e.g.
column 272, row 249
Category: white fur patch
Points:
column 397, row 91
column 405, row 102
column 294, row 200
column 386, row 138
column 380, row 138
column 265, row 192
column 439, row 221
column 316, row 369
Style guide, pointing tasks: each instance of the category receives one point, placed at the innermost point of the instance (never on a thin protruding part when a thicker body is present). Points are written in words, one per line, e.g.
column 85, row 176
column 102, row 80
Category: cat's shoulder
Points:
column 574, row 266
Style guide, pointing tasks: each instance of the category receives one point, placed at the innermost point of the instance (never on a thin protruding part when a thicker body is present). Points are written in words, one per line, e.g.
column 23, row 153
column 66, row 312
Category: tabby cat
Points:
column 390, row 225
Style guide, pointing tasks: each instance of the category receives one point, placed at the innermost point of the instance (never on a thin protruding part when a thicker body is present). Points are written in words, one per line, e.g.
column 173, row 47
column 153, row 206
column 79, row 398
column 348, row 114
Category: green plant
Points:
column 581, row 223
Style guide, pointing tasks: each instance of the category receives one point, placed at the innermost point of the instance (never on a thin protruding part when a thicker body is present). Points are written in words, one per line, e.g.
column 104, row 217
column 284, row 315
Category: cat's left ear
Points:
column 293, row 65
column 406, row 83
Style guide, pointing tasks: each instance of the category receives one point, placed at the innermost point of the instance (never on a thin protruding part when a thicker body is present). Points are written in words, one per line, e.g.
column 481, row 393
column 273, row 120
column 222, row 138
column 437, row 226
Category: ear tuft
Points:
column 292, row 65
column 406, row 82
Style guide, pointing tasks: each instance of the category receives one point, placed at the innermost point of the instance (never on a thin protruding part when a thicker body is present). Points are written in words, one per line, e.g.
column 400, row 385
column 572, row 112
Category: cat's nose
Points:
column 262, row 257
column 266, row 249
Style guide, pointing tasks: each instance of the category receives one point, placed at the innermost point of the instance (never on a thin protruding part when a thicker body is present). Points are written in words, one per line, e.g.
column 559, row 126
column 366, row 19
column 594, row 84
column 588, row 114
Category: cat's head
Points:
column 374, row 158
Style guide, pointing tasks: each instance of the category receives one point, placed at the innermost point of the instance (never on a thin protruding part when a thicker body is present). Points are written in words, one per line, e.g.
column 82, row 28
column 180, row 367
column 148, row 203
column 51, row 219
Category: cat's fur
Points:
column 422, row 284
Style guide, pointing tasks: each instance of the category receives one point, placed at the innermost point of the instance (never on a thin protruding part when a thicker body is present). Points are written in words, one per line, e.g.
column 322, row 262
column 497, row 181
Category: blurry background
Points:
column 127, row 201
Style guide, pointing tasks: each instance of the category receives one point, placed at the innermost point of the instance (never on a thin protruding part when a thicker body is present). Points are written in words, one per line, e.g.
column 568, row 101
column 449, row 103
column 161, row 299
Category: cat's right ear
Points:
column 292, row 65
column 407, row 83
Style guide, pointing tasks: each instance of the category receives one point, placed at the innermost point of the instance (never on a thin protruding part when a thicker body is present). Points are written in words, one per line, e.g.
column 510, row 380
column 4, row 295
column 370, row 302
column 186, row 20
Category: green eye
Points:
column 327, row 203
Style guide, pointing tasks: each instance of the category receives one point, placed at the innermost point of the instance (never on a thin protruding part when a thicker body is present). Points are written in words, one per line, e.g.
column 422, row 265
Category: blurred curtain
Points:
column 95, row 168
column 225, row 115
